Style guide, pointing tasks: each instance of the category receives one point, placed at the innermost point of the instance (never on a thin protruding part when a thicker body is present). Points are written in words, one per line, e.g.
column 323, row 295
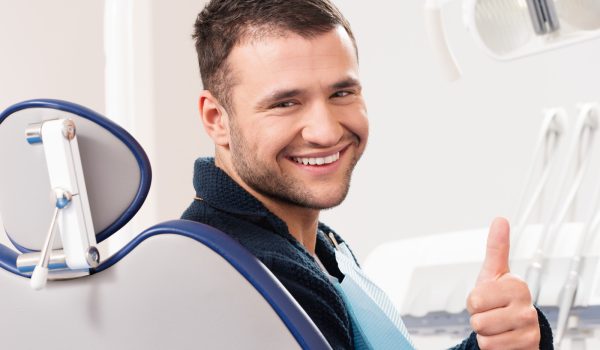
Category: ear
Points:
column 214, row 118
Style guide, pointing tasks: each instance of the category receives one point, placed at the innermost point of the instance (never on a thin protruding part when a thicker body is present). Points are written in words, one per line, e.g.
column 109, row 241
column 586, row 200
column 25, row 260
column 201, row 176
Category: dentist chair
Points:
column 176, row 285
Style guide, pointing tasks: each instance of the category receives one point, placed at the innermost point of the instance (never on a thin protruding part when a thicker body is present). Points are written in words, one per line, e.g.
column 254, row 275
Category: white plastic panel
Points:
column 65, row 172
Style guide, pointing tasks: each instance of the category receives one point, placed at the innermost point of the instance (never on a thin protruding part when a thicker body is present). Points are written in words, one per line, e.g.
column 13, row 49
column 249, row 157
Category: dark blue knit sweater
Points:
column 223, row 204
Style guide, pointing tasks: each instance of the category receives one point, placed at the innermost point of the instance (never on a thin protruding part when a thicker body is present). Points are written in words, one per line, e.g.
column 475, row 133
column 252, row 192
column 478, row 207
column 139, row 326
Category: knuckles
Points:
column 526, row 341
column 519, row 317
column 519, row 288
column 474, row 302
column 533, row 339
column 485, row 343
column 508, row 284
column 477, row 324
column 525, row 336
column 528, row 317
column 530, row 338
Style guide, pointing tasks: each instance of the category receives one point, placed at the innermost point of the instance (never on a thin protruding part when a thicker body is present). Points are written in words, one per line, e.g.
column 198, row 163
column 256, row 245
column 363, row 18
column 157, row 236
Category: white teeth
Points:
column 317, row 161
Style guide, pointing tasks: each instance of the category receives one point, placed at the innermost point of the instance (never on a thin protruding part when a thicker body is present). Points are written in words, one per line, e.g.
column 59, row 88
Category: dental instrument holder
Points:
column 586, row 121
column 570, row 287
column 72, row 215
column 546, row 152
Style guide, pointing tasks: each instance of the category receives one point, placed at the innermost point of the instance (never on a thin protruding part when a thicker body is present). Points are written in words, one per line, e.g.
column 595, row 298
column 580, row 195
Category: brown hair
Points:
column 224, row 23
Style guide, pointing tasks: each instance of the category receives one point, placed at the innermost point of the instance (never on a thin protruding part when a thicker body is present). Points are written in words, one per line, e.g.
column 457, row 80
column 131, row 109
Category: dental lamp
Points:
column 511, row 29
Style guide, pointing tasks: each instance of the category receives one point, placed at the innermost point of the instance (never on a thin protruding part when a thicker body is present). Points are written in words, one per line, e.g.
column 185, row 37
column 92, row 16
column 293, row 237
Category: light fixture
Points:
column 510, row 29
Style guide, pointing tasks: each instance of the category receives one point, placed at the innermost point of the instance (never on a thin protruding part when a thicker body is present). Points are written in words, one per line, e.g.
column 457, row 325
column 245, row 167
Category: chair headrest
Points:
column 116, row 168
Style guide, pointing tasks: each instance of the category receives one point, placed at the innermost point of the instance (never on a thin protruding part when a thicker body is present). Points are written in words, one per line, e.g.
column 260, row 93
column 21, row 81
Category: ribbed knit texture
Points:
column 223, row 204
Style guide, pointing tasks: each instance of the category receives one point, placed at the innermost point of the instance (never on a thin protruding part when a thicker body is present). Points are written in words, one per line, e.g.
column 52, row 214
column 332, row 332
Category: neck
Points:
column 302, row 222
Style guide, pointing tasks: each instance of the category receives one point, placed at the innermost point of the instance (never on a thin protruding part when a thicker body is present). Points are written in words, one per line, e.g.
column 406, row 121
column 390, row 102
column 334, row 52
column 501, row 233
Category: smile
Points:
column 317, row 160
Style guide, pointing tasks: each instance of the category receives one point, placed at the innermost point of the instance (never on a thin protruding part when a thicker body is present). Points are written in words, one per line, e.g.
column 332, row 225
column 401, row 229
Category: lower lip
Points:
column 324, row 169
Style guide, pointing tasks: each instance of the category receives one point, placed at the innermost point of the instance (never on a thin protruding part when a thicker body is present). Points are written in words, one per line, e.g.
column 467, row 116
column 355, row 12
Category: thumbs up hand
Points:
column 500, row 305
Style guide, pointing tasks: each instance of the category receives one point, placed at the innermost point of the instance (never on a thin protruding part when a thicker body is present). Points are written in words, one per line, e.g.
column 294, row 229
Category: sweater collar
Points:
column 220, row 191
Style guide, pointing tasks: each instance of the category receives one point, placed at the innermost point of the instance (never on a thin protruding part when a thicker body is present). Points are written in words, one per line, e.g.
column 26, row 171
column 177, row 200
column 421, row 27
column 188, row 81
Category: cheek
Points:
column 357, row 122
column 275, row 134
column 364, row 128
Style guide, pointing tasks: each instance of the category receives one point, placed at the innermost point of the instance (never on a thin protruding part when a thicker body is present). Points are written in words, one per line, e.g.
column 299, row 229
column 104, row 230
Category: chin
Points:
column 327, row 202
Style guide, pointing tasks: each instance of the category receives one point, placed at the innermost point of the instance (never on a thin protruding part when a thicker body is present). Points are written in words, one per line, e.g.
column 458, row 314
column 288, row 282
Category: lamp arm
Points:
column 434, row 25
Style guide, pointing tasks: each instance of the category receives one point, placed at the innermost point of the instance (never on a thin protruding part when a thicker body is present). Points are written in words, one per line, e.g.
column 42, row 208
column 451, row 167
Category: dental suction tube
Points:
column 569, row 289
column 545, row 152
column 587, row 124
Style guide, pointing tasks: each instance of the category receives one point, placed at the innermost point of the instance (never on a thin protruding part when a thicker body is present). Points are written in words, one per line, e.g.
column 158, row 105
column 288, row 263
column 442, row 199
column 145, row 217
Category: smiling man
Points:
column 283, row 104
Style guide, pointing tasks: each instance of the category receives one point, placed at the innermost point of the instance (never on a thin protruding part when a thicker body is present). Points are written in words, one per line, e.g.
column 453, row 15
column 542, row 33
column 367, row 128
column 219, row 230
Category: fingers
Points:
column 527, row 339
column 489, row 295
column 500, row 304
column 504, row 320
column 497, row 251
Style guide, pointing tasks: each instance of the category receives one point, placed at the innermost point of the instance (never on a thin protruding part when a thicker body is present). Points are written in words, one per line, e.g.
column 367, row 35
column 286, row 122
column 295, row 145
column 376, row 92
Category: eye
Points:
column 284, row 104
column 342, row 93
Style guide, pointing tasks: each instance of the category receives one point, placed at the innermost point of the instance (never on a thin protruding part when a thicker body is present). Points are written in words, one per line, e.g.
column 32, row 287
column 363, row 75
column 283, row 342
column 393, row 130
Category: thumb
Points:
column 496, row 256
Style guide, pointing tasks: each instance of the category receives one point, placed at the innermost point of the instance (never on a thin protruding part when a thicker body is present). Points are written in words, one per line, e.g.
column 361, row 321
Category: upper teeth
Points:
column 317, row 161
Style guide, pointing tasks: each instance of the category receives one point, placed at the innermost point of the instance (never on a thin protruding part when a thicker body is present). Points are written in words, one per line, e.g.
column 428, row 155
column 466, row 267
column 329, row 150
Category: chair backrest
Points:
column 178, row 285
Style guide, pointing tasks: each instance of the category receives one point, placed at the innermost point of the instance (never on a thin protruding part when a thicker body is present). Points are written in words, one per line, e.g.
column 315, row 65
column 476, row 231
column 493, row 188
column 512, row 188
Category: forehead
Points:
column 291, row 60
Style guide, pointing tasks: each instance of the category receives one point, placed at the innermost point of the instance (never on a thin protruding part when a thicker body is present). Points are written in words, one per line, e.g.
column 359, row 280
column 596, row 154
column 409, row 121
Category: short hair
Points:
column 224, row 23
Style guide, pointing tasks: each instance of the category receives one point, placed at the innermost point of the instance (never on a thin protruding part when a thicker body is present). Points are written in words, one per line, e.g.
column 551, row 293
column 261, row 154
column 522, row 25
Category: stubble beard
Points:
column 276, row 185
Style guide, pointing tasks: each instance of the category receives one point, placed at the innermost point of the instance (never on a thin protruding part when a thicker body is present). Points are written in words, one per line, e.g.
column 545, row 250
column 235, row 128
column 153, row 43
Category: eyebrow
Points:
column 346, row 83
column 283, row 94
column 278, row 95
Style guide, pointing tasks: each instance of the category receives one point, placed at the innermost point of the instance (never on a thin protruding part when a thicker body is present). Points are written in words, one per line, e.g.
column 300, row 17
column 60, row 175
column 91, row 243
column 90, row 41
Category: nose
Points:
column 322, row 127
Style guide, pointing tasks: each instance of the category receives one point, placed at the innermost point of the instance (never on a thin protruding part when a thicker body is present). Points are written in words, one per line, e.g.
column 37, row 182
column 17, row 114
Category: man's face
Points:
column 299, row 122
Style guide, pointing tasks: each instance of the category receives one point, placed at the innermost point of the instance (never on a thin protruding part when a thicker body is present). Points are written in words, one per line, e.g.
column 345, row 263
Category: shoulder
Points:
column 252, row 232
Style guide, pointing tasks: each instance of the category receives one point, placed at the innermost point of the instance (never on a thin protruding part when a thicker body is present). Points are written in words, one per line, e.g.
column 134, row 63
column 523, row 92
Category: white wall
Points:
column 51, row 49
column 180, row 138
column 166, row 120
